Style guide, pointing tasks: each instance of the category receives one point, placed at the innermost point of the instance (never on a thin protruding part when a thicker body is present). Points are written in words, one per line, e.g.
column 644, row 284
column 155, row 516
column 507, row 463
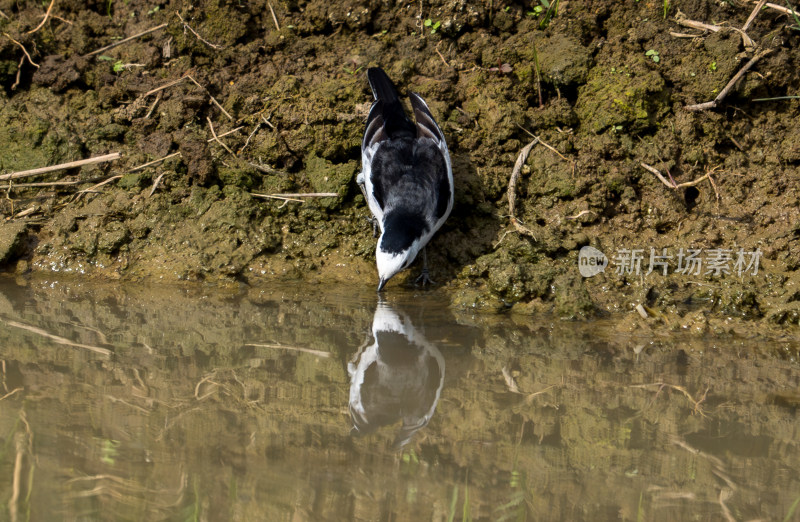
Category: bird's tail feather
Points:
column 387, row 118
column 382, row 87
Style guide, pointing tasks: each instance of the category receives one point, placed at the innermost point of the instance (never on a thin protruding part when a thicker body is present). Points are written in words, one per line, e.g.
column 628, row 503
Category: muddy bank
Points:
column 604, row 85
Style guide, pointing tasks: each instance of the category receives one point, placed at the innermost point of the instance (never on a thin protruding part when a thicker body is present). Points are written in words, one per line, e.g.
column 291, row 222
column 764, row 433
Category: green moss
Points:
column 133, row 180
column 325, row 176
column 628, row 100
column 12, row 241
column 572, row 300
column 237, row 177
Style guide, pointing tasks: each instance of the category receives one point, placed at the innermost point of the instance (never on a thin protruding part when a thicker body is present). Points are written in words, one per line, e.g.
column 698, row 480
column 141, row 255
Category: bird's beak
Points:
column 381, row 284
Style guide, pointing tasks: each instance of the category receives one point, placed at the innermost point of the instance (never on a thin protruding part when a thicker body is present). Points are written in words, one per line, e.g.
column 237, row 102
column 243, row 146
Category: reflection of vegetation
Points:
column 521, row 497
column 466, row 514
column 792, row 509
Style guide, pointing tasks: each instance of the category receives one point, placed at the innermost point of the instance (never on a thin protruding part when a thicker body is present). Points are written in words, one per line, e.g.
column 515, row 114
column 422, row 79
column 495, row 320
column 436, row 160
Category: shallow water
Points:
column 167, row 403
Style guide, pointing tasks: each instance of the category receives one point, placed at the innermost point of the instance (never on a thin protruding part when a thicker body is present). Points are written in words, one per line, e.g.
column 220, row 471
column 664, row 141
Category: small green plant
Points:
column 153, row 10
column 117, row 66
column 546, row 8
column 666, row 8
column 794, row 15
column 350, row 71
column 653, row 54
column 434, row 26
column 712, row 66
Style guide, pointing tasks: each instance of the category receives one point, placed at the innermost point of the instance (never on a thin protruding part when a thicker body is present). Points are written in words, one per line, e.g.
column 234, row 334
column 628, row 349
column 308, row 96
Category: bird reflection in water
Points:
column 398, row 377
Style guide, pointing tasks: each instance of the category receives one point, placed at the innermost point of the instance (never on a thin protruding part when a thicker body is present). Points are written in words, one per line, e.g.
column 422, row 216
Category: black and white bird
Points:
column 406, row 177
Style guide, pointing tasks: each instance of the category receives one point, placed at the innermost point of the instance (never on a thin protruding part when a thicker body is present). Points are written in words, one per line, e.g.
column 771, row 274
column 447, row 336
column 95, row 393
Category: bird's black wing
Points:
column 426, row 125
column 432, row 153
column 388, row 135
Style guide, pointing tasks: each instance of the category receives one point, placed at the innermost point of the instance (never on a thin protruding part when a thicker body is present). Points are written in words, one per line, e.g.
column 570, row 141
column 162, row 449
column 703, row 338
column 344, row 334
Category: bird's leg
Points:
column 372, row 219
column 424, row 278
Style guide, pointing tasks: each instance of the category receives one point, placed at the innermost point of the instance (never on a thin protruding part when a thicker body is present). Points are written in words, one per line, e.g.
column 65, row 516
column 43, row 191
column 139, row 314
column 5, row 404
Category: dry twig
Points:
column 274, row 18
column 46, row 16
column 28, row 56
column 187, row 26
column 214, row 100
column 72, row 164
column 675, row 186
column 724, row 92
column 440, row 54
column 214, row 133
column 512, row 189
column 694, row 24
column 753, row 14
column 128, row 39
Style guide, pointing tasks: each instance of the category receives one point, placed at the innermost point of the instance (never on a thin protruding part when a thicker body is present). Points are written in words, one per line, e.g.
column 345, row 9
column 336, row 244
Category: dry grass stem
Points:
column 274, row 18
column 265, row 120
column 128, row 39
column 580, row 214
column 694, row 24
column 753, row 14
column 44, row 19
column 318, row 353
column 94, row 188
column 4, row 15
column 155, row 184
column 216, row 138
column 49, row 184
column 213, row 100
column 249, row 137
column 724, row 92
column 72, row 164
column 512, row 189
column 175, row 154
column 671, row 184
column 266, row 169
column 784, row 10
column 154, row 162
column 28, row 56
column 153, row 107
column 25, row 213
column 165, row 86
column 440, row 54
column 187, row 26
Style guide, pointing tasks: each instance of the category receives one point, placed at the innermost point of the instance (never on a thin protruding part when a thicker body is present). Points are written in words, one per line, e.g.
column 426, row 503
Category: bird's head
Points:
column 390, row 263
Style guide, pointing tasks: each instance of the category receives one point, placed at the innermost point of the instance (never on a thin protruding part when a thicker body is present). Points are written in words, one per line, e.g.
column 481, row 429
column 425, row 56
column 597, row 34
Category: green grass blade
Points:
column 789, row 515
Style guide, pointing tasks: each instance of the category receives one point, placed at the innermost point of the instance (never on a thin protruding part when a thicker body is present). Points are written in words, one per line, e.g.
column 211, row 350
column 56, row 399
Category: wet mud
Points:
column 604, row 85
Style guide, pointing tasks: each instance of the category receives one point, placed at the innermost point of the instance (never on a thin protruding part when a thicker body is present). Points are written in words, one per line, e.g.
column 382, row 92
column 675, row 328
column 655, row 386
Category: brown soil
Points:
column 614, row 84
